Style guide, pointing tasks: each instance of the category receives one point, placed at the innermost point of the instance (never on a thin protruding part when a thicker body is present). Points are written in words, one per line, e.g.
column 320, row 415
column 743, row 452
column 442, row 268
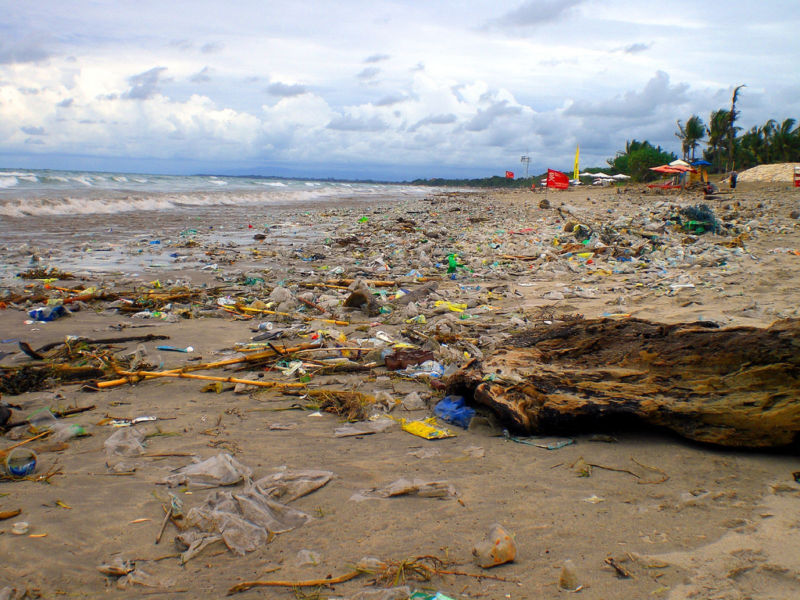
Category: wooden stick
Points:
column 164, row 524
column 247, row 585
column 181, row 375
column 264, row 354
column 621, row 571
column 294, row 316
column 5, row 451
column 310, row 304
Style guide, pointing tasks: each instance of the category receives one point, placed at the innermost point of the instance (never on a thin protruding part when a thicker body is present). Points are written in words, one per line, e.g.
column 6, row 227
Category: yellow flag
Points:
column 577, row 154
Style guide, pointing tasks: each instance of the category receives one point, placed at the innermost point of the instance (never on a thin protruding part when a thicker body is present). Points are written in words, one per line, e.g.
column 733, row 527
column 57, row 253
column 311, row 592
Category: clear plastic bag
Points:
column 290, row 485
column 125, row 442
column 221, row 469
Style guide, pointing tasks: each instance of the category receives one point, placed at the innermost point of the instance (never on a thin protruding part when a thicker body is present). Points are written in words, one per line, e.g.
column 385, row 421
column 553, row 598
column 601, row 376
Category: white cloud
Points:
column 279, row 83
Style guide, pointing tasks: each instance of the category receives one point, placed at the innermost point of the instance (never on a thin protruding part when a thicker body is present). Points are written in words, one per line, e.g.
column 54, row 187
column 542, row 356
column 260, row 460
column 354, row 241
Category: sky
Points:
column 378, row 89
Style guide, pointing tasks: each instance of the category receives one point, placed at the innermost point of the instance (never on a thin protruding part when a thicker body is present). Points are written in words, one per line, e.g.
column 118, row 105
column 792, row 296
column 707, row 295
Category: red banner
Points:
column 509, row 174
column 557, row 180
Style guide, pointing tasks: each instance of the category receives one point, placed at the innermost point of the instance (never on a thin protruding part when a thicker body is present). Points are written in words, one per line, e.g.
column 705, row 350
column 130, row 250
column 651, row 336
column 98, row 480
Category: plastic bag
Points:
column 290, row 485
column 454, row 410
column 221, row 469
column 404, row 487
column 245, row 521
column 125, row 442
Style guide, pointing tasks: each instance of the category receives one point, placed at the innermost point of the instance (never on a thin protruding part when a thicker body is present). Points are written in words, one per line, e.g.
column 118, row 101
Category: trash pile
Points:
column 429, row 318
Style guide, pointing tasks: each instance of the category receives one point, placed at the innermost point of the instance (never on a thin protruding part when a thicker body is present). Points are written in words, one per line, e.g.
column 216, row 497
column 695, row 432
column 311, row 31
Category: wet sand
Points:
column 722, row 524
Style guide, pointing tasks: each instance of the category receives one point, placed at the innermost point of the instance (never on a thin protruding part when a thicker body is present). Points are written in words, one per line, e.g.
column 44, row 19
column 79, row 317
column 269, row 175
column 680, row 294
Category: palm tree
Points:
column 785, row 141
column 717, row 131
column 695, row 131
column 732, row 129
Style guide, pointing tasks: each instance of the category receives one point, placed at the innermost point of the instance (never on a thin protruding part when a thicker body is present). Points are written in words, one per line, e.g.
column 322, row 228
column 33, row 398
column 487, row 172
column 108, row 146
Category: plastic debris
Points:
column 496, row 549
column 453, row 409
column 425, row 429
column 221, row 469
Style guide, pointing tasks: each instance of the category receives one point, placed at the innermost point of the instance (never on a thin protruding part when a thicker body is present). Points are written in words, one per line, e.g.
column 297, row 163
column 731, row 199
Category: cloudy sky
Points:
column 378, row 88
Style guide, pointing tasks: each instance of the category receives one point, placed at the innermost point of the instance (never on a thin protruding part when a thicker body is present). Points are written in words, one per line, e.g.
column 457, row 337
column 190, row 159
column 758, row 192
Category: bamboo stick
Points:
column 203, row 367
column 154, row 374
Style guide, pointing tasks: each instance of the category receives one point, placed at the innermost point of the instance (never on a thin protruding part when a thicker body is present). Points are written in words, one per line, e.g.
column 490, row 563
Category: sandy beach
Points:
column 682, row 519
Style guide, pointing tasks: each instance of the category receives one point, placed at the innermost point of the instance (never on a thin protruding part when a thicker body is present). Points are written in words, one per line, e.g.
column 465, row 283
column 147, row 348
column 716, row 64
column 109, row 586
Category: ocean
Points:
column 121, row 221
column 35, row 192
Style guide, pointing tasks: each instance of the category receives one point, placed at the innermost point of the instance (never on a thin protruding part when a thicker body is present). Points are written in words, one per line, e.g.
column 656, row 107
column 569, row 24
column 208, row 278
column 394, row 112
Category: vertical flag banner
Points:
column 557, row 180
column 509, row 174
column 577, row 154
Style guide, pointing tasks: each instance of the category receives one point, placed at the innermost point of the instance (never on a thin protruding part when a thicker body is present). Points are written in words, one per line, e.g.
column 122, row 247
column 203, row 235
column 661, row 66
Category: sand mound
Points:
column 777, row 173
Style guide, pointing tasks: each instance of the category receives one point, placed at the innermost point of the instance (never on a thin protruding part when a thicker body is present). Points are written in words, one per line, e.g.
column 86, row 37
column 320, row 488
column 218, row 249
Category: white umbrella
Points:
column 679, row 163
column 600, row 176
column 620, row 177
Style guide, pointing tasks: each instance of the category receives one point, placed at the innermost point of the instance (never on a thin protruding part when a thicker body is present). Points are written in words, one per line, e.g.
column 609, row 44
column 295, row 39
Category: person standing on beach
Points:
column 734, row 177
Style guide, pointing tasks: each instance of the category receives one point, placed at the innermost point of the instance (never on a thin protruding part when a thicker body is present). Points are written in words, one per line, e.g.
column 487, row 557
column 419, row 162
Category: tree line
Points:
column 727, row 148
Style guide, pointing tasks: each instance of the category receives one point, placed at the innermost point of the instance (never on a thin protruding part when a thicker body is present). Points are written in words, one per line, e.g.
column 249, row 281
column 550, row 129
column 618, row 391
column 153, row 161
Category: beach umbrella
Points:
column 621, row 176
column 666, row 169
column 679, row 163
column 600, row 176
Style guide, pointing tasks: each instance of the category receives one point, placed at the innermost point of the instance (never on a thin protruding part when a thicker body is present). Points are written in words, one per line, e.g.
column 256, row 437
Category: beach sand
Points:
column 704, row 522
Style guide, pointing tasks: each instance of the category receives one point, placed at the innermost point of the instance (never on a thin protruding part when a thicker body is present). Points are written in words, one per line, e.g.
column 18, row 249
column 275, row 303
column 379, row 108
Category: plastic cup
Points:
column 21, row 462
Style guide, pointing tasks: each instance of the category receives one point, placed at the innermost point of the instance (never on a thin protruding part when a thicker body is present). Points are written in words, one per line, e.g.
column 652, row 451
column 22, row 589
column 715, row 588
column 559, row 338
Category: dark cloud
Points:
column 632, row 105
column 349, row 123
column 212, row 47
column 201, row 76
column 29, row 49
column 434, row 120
column 486, row 117
column 368, row 73
column 286, row 90
column 66, row 103
column 376, row 58
column 145, row 85
column 535, row 12
column 636, row 48
column 33, row 130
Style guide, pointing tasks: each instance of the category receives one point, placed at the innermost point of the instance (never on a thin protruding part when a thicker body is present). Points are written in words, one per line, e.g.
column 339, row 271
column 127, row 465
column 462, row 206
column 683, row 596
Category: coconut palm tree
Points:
column 785, row 141
column 690, row 135
column 717, row 131
column 732, row 129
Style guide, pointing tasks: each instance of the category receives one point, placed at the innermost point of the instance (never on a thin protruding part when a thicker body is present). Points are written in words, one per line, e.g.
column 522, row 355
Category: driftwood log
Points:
column 738, row 386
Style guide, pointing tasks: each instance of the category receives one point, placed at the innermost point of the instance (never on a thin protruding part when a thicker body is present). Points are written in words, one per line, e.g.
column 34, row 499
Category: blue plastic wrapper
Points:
column 48, row 313
column 454, row 410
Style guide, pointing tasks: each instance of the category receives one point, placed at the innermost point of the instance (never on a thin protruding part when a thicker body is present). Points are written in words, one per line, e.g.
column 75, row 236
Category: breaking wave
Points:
column 39, row 193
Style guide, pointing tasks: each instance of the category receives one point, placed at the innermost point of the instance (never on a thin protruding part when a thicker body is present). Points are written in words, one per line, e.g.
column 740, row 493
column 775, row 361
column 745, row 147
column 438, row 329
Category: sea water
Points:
column 37, row 192
column 101, row 221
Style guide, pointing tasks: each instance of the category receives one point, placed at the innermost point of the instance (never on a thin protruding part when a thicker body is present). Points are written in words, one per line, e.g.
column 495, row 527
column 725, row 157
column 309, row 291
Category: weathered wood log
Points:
column 733, row 387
